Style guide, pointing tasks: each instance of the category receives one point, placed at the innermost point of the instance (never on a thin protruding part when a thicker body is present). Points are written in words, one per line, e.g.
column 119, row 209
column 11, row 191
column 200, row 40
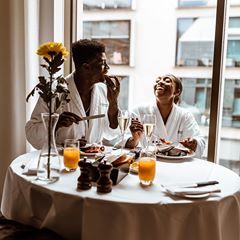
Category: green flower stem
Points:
column 49, row 128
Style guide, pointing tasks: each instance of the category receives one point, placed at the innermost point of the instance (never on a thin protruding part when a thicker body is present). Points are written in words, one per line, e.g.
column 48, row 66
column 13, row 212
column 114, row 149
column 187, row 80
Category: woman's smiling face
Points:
column 164, row 87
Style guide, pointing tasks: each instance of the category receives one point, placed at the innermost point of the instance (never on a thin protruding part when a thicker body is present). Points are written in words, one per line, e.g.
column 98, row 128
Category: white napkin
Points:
column 192, row 191
column 30, row 168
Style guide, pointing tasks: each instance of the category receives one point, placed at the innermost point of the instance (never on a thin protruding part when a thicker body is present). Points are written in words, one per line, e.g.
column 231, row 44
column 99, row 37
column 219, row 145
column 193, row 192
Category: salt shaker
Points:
column 84, row 180
column 104, row 183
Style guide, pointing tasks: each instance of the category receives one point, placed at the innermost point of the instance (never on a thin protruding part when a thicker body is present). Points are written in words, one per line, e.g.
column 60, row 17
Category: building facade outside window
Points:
column 195, row 42
column 116, row 37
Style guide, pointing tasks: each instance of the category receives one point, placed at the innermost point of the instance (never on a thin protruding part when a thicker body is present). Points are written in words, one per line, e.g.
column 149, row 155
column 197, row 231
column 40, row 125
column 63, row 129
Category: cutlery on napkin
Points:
column 192, row 185
column 194, row 190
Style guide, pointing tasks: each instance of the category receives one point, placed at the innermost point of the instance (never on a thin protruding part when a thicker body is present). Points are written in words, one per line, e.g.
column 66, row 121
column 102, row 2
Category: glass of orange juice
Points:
column 71, row 154
column 147, row 167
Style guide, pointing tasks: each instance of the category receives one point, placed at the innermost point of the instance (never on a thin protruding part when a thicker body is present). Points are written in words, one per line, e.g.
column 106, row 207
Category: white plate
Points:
column 90, row 154
column 189, row 155
column 204, row 195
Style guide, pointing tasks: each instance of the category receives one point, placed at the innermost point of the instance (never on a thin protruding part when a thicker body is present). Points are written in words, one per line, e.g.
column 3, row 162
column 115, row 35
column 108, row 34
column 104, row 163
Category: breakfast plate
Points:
column 88, row 154
column 187, row 156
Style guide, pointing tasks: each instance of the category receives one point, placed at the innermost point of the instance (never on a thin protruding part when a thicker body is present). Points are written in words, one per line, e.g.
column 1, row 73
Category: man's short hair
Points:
column 85, row 50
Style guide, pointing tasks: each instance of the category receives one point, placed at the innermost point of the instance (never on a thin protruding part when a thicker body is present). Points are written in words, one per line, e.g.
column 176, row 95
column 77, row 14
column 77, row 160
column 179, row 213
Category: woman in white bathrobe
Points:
column 173, row 123
column 91, row 92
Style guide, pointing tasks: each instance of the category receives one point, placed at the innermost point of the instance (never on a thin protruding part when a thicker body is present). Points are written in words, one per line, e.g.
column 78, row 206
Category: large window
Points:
column 185, row 47
column 115, row 35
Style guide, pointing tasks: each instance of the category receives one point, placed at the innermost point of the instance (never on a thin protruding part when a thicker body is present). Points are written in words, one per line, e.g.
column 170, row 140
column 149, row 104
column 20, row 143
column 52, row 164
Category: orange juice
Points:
column 71, row 156
column 146, row 170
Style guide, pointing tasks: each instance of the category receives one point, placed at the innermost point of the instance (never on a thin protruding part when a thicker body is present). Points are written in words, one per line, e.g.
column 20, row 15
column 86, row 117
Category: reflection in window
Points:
column 203, row 3
column 196, row 3
column 114, row 35
column 234, row 22
column 195, row 38
column 233, row 53
column 106, row 4
column 124, row 93
column 197, row 94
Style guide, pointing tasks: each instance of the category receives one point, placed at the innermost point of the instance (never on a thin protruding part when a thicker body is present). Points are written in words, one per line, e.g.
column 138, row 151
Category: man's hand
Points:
column 66, row 119
column 113, row 89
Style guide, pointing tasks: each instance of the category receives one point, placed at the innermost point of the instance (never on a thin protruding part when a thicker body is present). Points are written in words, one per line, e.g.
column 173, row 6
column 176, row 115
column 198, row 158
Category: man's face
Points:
column 99, row 68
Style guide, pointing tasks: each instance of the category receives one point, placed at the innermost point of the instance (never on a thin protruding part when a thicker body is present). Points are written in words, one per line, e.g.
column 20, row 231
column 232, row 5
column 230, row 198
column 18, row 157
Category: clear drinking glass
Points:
column 71, row 154
column 147, row 167
column 149, row 122
column 123, row 122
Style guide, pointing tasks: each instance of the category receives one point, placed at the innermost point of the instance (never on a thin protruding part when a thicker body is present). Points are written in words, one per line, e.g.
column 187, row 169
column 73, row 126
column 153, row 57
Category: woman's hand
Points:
column 190, row 143
column 136, row 129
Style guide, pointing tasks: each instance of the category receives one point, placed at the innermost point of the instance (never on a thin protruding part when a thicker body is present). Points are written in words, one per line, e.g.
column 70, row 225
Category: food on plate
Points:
column 122, row 159
column 134, row 167
column 164, row 141
column 172, row 151
column 93, row 148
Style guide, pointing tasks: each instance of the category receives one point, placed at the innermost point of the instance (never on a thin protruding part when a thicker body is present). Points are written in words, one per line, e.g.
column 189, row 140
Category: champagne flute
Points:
column 149, row 122
column 123, row 122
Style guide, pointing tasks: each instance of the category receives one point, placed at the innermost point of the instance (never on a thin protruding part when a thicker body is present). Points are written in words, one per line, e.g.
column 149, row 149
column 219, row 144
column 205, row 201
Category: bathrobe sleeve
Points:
column 34, row 128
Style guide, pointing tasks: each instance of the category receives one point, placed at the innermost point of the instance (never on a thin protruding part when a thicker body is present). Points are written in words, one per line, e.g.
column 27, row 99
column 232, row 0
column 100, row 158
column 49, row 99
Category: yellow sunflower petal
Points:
column 51, row 47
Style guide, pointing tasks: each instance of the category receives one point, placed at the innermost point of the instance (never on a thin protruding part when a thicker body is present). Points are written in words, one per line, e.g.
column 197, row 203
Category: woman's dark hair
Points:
column 86, row 50
column 178, row 84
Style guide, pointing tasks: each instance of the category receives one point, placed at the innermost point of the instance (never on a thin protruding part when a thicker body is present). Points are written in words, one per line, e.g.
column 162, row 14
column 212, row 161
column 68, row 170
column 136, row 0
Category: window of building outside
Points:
column 115, row 36
column 195, row 43
column 124, row 93
column 106, row 4
column 185, row 48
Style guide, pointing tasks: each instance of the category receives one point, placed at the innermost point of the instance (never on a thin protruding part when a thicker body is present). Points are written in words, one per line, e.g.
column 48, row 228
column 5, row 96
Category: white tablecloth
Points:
column 129, row 212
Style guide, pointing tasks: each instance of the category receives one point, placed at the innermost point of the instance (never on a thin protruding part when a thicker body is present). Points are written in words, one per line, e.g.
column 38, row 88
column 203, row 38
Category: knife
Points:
column 92, row 117
column 194, row 185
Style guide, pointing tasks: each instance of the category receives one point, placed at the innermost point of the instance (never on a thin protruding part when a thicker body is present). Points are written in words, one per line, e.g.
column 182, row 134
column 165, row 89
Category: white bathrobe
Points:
column 180, row 125
column 93, row 130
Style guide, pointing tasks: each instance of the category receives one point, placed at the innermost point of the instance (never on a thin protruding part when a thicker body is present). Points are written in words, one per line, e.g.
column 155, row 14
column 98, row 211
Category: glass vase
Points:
column 49, row 166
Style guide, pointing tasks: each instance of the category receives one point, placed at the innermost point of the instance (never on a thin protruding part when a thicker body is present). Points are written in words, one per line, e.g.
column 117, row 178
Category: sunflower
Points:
column 50, row 49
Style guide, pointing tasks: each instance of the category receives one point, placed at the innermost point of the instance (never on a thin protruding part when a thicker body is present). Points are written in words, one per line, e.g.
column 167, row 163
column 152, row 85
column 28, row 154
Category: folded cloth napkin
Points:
column 192, row 191
column 30, row 167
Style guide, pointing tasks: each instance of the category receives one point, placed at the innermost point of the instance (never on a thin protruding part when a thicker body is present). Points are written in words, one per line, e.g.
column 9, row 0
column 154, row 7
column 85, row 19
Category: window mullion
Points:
column 218, row 79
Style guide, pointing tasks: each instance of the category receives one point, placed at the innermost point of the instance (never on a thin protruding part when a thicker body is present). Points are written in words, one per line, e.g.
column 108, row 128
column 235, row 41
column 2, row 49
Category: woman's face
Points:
column 165, row 87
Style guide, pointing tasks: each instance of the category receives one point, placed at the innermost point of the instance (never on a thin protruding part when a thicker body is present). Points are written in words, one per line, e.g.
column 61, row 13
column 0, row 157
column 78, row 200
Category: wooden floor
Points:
column 10, row 230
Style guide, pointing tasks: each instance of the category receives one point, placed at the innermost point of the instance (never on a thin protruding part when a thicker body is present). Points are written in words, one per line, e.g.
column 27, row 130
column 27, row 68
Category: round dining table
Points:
column 130, row 211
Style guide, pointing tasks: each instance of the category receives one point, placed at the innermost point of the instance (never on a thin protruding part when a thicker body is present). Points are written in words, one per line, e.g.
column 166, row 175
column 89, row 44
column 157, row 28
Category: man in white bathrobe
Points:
column 172, row 122
column 91, row 92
